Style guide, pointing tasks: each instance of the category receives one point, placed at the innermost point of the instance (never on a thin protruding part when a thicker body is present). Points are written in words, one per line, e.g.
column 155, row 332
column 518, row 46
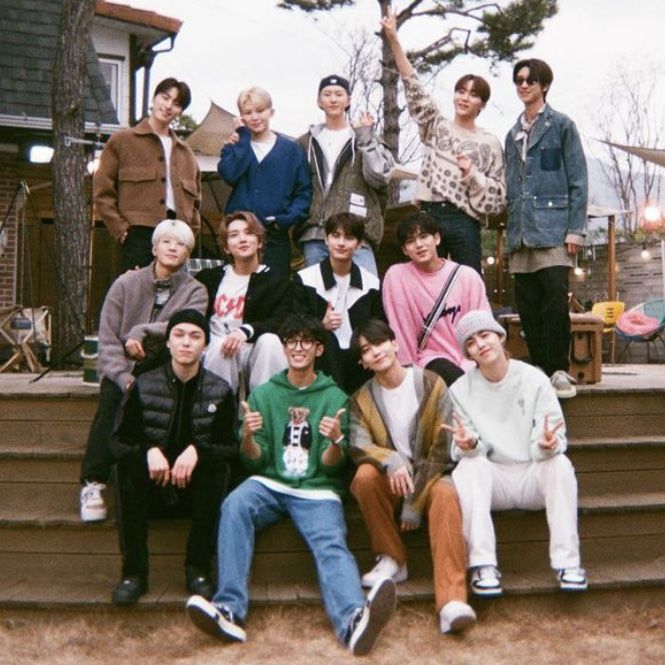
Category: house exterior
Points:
column 124, row 44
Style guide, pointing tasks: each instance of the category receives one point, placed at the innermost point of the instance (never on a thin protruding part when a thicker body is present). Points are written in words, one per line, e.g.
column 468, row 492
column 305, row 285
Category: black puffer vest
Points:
column 158, row 395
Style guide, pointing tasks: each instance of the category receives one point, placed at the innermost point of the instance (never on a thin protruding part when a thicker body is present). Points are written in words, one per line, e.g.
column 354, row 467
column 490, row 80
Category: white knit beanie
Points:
column 475, row 321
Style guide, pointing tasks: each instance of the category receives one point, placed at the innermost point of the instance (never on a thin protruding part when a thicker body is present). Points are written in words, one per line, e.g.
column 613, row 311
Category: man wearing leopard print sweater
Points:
column 461, row 180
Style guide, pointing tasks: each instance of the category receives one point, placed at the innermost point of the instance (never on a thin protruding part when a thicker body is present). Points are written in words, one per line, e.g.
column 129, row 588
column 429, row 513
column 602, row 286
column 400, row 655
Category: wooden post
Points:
column 611, row 258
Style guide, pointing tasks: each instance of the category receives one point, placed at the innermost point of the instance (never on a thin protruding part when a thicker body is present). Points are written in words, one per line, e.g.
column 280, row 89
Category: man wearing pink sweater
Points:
column 425, row 297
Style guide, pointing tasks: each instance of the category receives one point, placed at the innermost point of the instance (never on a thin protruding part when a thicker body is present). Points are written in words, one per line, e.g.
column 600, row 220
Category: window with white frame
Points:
column 111, row 70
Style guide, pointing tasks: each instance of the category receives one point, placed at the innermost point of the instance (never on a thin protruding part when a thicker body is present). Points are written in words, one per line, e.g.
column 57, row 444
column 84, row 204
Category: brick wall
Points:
column 8, row 180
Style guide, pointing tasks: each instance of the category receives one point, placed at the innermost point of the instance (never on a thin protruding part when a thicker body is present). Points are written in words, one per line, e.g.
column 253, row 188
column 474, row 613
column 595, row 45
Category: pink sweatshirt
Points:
column 409, row 294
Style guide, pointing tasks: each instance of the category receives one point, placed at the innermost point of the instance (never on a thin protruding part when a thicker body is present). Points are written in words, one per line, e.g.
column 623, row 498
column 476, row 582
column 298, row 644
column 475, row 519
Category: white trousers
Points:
column 483, row 486
column 257, row 361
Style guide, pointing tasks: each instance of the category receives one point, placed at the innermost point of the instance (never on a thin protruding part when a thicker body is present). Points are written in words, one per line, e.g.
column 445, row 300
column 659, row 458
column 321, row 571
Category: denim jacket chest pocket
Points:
column 550, row 159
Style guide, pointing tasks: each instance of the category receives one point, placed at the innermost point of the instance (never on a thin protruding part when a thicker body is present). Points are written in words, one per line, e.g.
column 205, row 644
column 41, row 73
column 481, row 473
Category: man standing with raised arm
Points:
column 461, row 179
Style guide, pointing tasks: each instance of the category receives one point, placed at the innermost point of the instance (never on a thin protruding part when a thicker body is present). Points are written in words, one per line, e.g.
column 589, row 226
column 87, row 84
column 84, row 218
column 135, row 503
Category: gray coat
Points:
column 126, row 314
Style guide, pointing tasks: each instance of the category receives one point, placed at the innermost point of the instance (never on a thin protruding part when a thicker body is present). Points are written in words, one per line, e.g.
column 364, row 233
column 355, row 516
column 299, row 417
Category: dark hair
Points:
column 539, row 72
column 478, row 84
column 417, row 222
column 374, row 331
column 253, row 226
column 308, row 327
column 352, row 225
column 184, row 97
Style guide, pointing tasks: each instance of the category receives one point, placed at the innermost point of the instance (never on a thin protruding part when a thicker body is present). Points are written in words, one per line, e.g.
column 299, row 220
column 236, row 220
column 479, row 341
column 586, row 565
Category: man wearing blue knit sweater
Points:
column 269, row 176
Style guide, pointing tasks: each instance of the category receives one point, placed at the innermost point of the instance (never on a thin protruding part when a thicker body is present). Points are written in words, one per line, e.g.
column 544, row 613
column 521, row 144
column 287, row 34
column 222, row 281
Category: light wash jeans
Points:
column 252, row 506
column 315, row 251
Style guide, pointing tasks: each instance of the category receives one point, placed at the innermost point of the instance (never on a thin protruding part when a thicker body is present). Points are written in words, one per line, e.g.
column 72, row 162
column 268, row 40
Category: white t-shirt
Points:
column 332, row 141
column 229, row 305
column 401, row 409
column 167, row 144
column 262, row 148
column 340, row 295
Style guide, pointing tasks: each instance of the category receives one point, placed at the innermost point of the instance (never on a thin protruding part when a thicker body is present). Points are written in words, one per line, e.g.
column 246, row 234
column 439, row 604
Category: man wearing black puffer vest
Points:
column 174, row 447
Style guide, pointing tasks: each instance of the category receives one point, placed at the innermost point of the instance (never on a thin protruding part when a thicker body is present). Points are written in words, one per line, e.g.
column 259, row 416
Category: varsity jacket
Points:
column 360, row 173
column 267, row 302
column 371, row 442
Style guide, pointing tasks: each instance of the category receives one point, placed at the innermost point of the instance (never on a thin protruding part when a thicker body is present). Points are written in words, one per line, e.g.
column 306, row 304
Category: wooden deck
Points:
column 50, row 559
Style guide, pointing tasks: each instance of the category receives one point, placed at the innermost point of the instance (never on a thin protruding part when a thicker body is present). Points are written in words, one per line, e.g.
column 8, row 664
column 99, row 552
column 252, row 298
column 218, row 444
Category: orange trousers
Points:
column 378, row 504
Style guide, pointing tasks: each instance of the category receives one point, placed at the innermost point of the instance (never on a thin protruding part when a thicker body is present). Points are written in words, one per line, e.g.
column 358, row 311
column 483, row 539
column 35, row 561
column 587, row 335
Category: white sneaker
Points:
column 455, row 616
column 486, row 581
column 93, row 508
column 563, row 384
column 385, row 566
column 572, row 579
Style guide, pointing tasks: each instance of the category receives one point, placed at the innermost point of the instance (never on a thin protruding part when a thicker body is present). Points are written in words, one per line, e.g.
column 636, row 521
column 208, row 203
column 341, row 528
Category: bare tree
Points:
column 628, row 113
column 495, row 31
column 72, row 224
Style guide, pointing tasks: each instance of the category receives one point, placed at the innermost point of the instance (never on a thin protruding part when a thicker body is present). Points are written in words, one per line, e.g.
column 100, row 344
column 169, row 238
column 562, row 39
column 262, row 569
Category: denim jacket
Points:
column 547, row 192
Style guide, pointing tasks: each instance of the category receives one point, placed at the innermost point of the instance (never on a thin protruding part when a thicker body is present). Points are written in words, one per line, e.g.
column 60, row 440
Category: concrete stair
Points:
column 50, row 559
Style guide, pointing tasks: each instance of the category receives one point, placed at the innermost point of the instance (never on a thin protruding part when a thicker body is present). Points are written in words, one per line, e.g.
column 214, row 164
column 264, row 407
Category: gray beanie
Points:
column 475, row 321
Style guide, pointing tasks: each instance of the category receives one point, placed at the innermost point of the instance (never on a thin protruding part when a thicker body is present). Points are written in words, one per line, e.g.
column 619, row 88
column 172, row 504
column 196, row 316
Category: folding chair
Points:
column 609, row 311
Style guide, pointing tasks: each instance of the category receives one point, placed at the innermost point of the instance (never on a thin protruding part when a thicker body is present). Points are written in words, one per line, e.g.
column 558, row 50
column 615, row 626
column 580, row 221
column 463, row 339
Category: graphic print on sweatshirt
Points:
column 297, row 442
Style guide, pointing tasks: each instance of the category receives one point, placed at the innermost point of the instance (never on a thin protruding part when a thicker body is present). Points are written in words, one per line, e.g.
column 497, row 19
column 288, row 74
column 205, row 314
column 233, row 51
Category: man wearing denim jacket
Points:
column 547, row 187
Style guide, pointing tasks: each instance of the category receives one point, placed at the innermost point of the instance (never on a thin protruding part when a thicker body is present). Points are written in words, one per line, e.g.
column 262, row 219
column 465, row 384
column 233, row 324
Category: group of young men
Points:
column 406, row 378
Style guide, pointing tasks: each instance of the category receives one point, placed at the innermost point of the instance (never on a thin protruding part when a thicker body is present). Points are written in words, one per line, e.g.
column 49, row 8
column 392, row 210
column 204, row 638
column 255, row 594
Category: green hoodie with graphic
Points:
column 290, row 442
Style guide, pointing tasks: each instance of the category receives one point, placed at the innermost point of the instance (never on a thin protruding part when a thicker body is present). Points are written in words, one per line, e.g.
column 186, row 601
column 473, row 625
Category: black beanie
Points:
column 192, row 316
column 335, row 80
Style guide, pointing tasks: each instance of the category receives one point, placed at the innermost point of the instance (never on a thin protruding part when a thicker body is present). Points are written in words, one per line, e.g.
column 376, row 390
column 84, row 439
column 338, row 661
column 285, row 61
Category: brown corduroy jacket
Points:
column 130, row 184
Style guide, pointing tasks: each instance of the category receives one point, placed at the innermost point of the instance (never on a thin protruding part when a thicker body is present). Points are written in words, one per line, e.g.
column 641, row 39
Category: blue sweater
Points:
column 279, row 186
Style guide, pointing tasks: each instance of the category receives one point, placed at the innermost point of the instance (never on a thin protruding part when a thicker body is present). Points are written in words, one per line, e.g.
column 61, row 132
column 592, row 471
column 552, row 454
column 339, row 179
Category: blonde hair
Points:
column 174, row 227
column 255, row 96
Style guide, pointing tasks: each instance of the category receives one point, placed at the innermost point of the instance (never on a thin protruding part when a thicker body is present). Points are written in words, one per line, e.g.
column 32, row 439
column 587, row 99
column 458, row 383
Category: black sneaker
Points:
column 370, row 620
column 216, row 621
column 129, row 590
column 199, row 583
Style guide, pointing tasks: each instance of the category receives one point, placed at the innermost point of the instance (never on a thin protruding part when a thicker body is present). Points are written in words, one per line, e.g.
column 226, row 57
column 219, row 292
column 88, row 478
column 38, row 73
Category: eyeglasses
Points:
column 305, row 344
column 521, row 80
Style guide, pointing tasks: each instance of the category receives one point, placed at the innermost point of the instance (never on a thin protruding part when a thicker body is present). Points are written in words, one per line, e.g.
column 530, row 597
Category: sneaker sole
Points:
column 461, row 623
column 92, row 515
column 570, row 587
column 205, row 622
column 566, row 395
column 368, row 583
column 487, row 593
column 382, row 604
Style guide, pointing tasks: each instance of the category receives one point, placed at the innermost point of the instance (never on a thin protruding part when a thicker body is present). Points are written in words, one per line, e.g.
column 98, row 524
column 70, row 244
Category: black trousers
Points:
column 138, row 498
column 98, row 458
column 137, row 248
column 542, row 303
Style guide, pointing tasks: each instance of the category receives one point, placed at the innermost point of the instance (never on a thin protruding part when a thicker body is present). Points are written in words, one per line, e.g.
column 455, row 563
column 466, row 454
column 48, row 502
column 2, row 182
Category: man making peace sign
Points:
column 509, row 437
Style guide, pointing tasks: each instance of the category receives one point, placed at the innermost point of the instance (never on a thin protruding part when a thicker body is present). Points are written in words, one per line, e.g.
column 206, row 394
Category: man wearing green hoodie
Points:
column 294, row 441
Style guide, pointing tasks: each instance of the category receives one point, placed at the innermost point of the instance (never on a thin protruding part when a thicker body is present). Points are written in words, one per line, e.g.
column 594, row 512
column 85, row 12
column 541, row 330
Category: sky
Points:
column 227, row 45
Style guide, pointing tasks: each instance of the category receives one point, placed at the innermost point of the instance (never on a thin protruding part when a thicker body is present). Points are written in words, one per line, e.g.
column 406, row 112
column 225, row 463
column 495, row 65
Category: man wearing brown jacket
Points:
column 147, row 174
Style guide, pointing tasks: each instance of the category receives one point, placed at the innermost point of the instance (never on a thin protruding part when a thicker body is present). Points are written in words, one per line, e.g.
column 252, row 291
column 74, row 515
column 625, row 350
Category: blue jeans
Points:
column 460, row 234
column 315, row 251
column 252, row 506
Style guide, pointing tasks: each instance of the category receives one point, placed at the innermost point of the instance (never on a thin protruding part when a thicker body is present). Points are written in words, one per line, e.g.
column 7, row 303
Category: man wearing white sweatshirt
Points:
column 509, row 437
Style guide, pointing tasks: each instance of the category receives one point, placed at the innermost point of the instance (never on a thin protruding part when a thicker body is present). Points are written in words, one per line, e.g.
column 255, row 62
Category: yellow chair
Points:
column 609, row 311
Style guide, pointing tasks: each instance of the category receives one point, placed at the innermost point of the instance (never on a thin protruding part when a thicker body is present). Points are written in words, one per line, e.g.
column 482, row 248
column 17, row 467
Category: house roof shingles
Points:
column 29, row 31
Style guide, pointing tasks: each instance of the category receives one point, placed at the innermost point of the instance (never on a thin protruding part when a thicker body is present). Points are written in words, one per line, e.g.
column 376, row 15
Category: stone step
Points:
column 86, row 583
